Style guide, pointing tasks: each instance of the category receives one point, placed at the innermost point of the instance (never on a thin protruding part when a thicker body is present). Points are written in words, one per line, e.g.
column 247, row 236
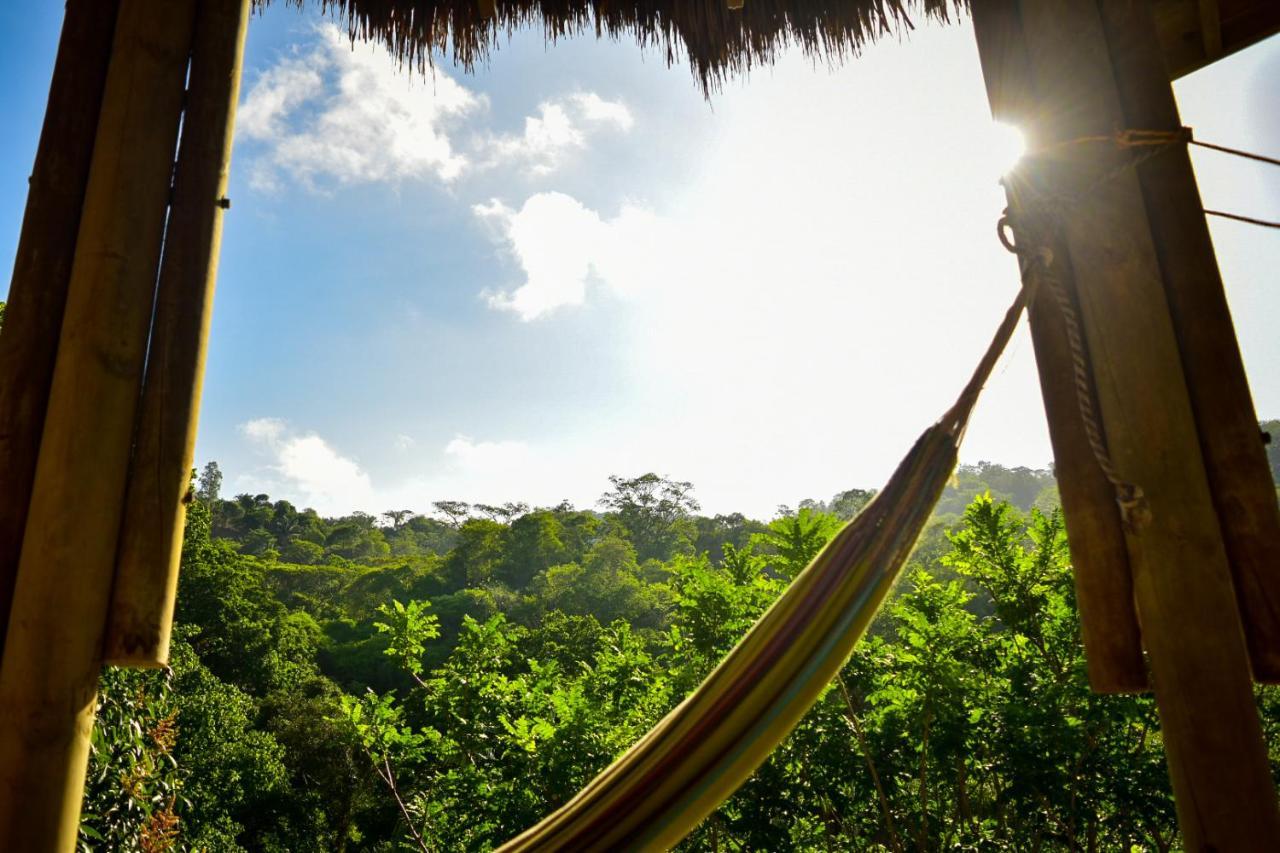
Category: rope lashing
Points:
column 1131, row 137
column 1038, row 265
column 1136, row 137
column 1158, row 140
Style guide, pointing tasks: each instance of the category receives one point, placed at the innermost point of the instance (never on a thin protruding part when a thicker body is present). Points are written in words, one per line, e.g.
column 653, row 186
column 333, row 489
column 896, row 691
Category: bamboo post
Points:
column 1182, row 583
column 1099, row 556
column 42, row 268
column 1226, row 420
column 146, row 582
column 1100, row 559
column 52, row 657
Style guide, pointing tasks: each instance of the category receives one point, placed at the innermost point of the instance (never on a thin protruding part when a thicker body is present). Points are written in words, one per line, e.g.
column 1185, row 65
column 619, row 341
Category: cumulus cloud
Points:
column 596, row 110
column 307, row 468
column 561, row 245
column 560, row 128
column 266, row 431
column 338, row 115
column 342, row 115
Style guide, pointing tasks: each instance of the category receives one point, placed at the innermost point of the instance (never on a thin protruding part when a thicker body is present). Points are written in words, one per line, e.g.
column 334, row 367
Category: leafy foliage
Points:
column 405, row 681
column 132, row 786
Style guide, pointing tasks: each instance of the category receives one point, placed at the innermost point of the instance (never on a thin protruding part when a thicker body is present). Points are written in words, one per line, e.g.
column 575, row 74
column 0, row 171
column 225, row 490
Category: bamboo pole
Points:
column 1226, row 420
column 42, row 267
column 1100, row 559
column 1182, row 583
column 48, row 680
column 146, row 582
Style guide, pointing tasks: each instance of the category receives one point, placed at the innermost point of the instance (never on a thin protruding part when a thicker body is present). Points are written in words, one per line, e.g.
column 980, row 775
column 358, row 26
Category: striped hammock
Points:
column 698, row 755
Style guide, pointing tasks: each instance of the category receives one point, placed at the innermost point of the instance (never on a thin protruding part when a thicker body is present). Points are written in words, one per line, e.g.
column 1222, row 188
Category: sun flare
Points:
column 1006, row 147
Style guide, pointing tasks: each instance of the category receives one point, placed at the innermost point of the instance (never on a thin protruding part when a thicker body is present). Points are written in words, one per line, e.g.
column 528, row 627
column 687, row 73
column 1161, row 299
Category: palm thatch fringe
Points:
column 719, row 41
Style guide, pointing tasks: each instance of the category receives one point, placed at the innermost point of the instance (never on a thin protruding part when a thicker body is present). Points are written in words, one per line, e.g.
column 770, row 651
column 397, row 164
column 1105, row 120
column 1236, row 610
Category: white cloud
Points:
column 347, row 115
column 265, row 431
column 560, row 128
column 338, row 115
column 486, row 456
column 810, row 294
column 279, row 91
column 809, row 300
column 308, row 469
column 597, row 110
column 553, row 237
column 404, row 443
column 560, row 245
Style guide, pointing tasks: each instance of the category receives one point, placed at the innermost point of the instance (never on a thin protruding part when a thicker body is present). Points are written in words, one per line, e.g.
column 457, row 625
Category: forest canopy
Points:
column 440, row 681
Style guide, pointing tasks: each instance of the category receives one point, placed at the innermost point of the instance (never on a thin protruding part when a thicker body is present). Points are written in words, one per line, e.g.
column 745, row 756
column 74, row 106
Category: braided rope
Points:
column 1036, row 266
column 1039, row 264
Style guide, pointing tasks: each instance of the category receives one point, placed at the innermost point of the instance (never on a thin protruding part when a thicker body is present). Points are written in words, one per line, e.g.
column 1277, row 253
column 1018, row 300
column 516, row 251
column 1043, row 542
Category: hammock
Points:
column 697, row 756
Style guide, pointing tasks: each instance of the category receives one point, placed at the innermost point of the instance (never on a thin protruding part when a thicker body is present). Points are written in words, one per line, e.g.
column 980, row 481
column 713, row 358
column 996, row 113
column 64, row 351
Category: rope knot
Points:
column 1135, row 509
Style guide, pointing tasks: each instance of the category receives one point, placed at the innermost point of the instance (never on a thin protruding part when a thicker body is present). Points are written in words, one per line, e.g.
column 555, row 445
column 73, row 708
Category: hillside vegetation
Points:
column 440, row 682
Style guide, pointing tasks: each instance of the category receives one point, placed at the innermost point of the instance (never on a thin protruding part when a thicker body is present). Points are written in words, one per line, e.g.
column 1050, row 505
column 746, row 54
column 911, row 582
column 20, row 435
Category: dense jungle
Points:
column 440, row 681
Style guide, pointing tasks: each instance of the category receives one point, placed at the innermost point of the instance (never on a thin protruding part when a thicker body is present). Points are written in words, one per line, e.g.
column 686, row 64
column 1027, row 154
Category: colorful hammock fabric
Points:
column 697, row 756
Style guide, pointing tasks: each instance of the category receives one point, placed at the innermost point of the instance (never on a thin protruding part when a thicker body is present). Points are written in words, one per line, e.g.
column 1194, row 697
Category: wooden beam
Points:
column 1100, row 559
column 1182, row 583
column 1211, row 29
column 1099, row 556
column 1226, row 421
column 146, row 580
column 52, row 658
column 1196, row 33
column 42, row 266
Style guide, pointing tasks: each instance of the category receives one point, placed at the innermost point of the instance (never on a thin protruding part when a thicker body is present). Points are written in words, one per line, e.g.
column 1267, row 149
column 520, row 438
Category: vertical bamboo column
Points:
column 146, row 583
column 1100, row 559
column 1182, row 582
column 1235, row 459
column 42, row 268
column 48, row 680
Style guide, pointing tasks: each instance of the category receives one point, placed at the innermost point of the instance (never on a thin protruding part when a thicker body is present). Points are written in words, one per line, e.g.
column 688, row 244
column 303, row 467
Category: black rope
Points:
column 1238, row 218
column 1236, row 151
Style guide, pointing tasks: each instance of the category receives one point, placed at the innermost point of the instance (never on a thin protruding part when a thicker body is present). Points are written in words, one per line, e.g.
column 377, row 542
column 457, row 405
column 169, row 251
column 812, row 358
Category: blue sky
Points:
column 511, row 284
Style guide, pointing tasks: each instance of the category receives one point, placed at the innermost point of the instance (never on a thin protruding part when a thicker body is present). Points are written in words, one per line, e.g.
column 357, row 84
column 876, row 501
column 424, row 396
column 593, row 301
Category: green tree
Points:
column 477, row 553
column 533, row 544
column 397, row 517
column 455, row 512
column 792, row 541
column 656, row 512
column 210, row 483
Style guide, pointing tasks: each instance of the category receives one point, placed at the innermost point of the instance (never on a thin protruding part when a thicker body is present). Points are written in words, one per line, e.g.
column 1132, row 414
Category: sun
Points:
column 1006, row 146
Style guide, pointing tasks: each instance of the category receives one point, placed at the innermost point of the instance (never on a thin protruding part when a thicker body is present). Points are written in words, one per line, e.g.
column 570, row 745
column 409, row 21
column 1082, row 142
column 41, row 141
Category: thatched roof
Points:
column 717, row 40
